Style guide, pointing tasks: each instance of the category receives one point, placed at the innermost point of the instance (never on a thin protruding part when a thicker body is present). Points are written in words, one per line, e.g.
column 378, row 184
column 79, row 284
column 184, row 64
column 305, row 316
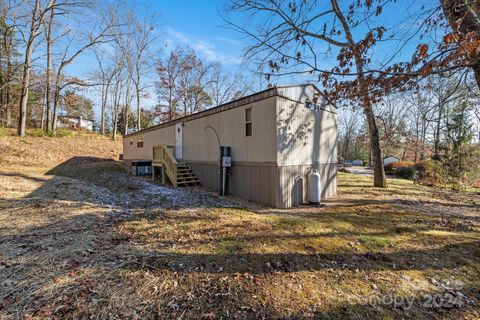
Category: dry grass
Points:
column 86, row 241
column 30, row 152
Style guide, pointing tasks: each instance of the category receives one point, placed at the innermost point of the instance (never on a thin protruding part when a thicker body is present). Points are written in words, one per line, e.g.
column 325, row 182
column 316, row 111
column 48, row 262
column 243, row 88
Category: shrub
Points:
column 405, row 173
column 392, row 167
column 37, row 133
column 3, row 132
column 66, row 133
column 439, row 173
column 59, row 133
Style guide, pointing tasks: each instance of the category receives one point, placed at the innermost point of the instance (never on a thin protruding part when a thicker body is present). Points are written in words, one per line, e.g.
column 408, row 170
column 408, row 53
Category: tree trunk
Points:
column 44, row 114
column 2, row 83
column 104, row 103
column 436, row 144
column 170, row 106
column 56, row 100
column 9, row 35
column 8, row 93
column 125, row 120
column 378, row 171
column 22, row 116
column 115, row 123
column 423, row 138
column 476, row 70
column 8, row 122
column 49, row 62
column 116, row 102
column 8, row 107
column 468, row 13
column 139, row 123
column 362, row 88
column 346, row 145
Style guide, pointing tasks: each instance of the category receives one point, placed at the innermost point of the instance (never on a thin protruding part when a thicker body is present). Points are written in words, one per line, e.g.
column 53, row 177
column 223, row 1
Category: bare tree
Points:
column 127, row 88
column 117, row 88
column 348, row 130
column 225, row 87
column 168, row 85
column 46, row 116
column 37, row 17
column 107, row 69
column 143, row 38
column 194, row 80
column 8, row 16
column 104, row 35
column 286, row 37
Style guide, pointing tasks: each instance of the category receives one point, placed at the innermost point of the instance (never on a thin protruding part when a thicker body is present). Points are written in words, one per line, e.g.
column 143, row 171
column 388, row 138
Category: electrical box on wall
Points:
column 225, row 164
column 226, row 161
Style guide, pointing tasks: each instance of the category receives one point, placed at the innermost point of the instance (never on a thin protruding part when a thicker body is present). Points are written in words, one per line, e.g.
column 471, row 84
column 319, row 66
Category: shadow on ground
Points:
column 79, row 260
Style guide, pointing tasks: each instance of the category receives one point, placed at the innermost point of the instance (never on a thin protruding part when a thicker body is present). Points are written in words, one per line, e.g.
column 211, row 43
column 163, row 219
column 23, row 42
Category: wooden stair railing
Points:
column 179, row 173
column 163, row 157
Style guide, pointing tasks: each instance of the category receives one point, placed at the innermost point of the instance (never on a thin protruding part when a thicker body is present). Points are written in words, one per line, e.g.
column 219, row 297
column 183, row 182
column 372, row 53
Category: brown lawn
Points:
column 79, row 238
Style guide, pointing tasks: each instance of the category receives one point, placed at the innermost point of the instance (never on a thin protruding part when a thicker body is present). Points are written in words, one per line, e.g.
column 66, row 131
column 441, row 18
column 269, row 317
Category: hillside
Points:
column 46, row 152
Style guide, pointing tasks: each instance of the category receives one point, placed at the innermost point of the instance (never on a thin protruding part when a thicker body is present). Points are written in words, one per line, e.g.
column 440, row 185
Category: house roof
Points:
column 261, row 95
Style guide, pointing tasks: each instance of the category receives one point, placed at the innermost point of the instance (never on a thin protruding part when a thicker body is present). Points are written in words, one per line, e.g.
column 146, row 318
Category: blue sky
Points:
column 199, row 25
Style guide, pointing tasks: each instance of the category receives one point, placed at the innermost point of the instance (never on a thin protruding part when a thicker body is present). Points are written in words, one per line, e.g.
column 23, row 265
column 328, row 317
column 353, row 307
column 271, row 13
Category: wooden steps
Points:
column 178, row 172
column 185, row 175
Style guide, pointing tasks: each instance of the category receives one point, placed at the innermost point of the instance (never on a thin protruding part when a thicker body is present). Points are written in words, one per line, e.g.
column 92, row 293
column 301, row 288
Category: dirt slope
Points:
column 47, row 152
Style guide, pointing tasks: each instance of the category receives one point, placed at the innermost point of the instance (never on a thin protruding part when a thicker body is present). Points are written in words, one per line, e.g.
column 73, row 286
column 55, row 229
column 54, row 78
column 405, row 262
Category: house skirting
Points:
column 276, row 186
column 267, row 183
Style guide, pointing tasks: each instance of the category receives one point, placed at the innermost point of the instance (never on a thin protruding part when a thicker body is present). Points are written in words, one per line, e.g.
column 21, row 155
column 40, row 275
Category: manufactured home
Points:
column 390, row 159
column 261, row 147
column 74, row 123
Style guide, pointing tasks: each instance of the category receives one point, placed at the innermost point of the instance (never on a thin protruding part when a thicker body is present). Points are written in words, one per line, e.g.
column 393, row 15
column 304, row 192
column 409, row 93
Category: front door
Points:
column 179, row 141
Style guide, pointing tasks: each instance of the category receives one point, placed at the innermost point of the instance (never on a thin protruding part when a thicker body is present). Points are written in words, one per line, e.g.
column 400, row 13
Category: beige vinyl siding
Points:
column 306, row 140
column 202, row 145
column 150, row 139
column 305, row 136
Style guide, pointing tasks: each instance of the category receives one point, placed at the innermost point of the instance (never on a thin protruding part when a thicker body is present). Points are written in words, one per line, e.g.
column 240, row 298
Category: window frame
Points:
column 248, row 122
column 140, row 141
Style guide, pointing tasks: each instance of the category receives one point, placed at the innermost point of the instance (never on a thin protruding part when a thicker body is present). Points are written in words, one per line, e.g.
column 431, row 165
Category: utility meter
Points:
column 226, row 161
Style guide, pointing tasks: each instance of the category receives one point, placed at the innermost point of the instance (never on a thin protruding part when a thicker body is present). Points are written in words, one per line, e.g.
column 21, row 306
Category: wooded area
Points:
column 41, row 39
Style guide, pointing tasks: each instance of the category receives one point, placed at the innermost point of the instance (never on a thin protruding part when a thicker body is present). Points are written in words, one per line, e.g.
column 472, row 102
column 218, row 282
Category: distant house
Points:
column 269, row 141
column 390, row 159
column 357, row 163
column 74, row 123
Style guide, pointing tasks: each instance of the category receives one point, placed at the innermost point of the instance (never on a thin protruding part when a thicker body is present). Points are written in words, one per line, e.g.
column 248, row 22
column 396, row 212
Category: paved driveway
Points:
column 361, row 170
